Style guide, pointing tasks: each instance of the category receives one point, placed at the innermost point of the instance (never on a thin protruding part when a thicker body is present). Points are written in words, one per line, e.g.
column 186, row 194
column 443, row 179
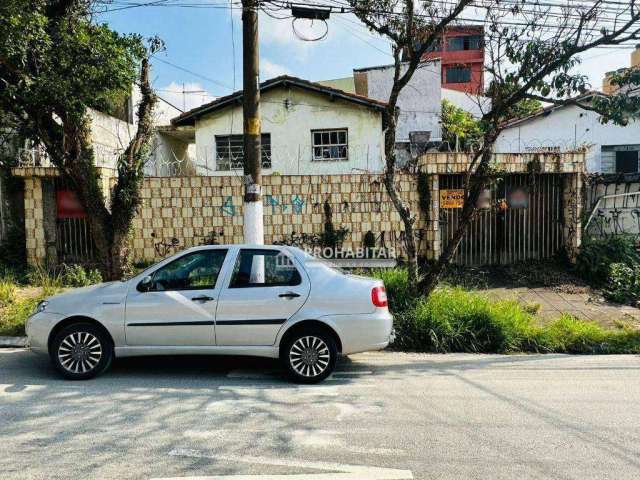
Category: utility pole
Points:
column 253, row 221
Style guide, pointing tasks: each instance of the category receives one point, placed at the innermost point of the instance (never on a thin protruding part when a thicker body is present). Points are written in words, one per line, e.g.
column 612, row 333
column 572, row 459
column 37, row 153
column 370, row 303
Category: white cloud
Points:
column 268, row 69
column 281, row 33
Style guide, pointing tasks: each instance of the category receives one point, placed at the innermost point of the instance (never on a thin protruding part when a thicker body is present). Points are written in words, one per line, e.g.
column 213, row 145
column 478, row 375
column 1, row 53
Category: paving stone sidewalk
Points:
column 586, row 306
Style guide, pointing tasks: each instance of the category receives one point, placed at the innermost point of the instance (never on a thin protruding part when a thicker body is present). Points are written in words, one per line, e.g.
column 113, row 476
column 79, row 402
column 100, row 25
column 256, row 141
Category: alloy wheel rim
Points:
column 309, row 356
column 80, row 352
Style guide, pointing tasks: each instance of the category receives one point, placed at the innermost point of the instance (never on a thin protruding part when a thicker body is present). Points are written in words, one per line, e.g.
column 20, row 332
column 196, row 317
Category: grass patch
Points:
column 8, row 291
column 14, row 316
column 456, row 320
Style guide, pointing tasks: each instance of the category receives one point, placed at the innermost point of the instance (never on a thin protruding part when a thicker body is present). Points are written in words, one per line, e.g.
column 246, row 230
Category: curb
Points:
column 13, row 342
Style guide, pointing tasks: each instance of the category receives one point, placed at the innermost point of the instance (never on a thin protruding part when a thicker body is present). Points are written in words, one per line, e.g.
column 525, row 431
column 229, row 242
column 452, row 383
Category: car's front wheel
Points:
column 309, row 356
column 81, row 351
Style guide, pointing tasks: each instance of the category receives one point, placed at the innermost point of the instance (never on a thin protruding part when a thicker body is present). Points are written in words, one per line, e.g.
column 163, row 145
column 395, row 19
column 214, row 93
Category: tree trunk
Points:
column 402, row 209
column 109, row 229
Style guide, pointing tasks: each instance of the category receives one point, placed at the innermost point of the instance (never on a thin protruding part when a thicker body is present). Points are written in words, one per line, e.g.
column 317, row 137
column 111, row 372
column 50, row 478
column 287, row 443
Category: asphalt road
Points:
column 382, row 416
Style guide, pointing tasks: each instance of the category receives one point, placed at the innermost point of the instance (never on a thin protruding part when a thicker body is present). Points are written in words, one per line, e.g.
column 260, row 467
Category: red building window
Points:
column 458, row 74
column 467, row 42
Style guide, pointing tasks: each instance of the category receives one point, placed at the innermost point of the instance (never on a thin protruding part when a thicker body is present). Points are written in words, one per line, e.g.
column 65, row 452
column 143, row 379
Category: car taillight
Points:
column 379, row 296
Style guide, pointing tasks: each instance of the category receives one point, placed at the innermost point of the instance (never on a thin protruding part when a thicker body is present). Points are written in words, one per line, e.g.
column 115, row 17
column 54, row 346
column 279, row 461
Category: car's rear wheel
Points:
column 309, row 356
column 81, row 351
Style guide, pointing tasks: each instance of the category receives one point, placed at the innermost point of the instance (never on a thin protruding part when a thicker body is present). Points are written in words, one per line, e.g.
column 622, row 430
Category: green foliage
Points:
column 396, row 282
column 15, row 315
column 623, row 284
column 49, row 281
column 597, row 255
column 65, row 276
column 7, row 290
column 70, row 62
column 455, row 320
column 459, row 127
column 526, row 107
column 78, row 276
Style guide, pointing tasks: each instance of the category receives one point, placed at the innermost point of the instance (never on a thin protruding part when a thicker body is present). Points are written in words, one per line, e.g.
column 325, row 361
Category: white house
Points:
column 610, row 148
column 307, row 128
column 418, row 104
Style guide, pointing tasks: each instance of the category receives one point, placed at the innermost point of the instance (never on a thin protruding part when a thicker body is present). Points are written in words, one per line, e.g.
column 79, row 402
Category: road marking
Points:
column 335, row 471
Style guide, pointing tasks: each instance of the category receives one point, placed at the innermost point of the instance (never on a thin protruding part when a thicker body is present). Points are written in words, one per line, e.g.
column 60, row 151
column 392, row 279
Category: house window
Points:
column 458, row 74
column 230, row 152
column 626, row 162
column 330, row 144
column 468, row 42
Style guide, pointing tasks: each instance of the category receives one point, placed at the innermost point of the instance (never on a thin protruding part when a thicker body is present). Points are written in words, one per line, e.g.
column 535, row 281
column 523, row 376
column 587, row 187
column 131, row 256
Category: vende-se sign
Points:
column 452, row 198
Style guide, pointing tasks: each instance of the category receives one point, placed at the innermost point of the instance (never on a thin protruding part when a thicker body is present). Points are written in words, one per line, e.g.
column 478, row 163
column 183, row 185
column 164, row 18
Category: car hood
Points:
column 110, row 292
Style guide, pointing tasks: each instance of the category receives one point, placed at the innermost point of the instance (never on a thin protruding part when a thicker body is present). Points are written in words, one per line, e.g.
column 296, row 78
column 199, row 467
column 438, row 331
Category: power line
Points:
column 195, row 74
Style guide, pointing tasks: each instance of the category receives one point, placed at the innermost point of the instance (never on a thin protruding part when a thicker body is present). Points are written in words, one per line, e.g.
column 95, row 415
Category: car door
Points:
column 265, row 288
column 176, row 305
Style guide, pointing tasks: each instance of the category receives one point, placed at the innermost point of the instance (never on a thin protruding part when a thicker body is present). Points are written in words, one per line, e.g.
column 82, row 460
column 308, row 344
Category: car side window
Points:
column 195, row 271
column 264, row 268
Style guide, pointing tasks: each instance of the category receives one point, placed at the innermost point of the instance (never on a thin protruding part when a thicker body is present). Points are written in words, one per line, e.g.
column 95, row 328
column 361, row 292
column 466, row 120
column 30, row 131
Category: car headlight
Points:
column 41, row 307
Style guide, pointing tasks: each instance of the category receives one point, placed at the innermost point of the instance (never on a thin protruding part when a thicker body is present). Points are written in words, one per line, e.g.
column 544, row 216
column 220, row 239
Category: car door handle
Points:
column 202, row 298
column 289, row 295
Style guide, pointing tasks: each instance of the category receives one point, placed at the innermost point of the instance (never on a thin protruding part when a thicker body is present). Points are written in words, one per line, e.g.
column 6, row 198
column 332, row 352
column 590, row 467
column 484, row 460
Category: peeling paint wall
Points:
column 419, row 101
column 289, row 116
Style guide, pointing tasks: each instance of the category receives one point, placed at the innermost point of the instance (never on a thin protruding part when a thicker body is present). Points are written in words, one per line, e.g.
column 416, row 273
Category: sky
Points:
column 204, row 50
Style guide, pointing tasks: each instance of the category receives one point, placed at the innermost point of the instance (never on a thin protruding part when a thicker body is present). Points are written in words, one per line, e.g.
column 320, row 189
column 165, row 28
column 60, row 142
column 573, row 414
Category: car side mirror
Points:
column 145, row 284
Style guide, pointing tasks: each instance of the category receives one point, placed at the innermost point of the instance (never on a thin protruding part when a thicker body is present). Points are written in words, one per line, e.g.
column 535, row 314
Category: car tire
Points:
column 309, row 356
column 81, row 351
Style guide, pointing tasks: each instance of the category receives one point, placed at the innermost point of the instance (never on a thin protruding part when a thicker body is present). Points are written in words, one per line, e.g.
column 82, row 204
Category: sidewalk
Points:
column 13, row 342
column 586, row 306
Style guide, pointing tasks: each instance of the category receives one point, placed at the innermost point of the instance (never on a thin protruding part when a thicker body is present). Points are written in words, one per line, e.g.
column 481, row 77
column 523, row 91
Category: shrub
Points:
column 596, row 256
column 15, row 315
column 78, row 276
column 396, row 282
column 7, row 290
column 623, row 284
column 50, row 282
column 456, row 320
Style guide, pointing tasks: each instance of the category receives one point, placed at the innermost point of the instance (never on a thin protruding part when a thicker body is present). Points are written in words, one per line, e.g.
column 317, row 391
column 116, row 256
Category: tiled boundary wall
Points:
column 190, row 209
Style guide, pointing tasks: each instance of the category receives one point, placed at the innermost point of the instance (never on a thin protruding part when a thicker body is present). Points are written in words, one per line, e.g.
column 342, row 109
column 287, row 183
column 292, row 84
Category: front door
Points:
column 177, row 307
column 266, row 288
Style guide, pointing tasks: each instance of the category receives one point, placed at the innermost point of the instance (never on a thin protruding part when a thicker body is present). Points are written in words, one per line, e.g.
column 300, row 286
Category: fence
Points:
column 179, row 212
column 612, row 205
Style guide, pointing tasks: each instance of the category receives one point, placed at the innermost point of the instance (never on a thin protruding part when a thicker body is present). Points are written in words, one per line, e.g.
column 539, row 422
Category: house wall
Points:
column 474, row 104
column 419, row 101
column 566, row 129
column 110, row 136
column 289, row 116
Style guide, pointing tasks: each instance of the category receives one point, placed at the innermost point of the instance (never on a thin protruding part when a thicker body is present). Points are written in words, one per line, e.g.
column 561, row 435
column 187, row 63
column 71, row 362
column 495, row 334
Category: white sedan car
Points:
column 268, row 301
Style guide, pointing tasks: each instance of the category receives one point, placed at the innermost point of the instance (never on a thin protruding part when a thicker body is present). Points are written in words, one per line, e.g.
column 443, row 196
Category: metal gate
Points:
column 508, row 232
column 74, row 243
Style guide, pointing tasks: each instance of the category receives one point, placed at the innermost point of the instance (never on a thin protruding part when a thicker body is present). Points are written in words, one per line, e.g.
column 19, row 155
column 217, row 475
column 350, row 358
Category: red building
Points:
column 461, row 52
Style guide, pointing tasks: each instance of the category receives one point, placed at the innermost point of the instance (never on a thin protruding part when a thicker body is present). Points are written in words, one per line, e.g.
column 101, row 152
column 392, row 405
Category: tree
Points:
column 532, row 50
column 55, row 64
column 459, row 128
